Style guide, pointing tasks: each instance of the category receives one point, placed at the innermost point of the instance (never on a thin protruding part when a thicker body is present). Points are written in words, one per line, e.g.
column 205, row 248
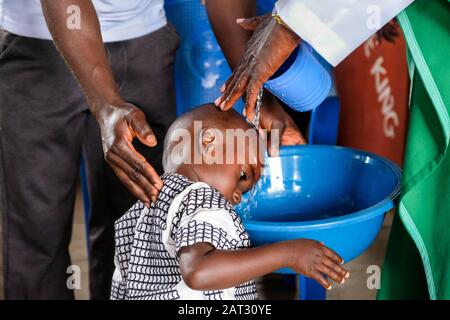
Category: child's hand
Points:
column 314, row 260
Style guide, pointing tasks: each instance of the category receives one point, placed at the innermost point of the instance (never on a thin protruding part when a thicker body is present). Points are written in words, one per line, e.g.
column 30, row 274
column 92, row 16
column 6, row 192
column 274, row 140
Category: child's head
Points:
column 215, row 147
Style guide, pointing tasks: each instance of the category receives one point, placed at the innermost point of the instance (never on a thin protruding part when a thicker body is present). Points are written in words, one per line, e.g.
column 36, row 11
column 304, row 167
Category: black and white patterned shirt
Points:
column 147, row 242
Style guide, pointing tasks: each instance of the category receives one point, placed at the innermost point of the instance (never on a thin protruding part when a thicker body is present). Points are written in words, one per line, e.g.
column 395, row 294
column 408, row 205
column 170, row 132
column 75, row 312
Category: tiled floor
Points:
column 271, row 287
column 78, row 248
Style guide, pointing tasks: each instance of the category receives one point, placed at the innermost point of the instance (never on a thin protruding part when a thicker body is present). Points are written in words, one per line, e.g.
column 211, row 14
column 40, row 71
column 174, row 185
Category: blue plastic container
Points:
column 200, row 66
column 265, row 6
column 324, row 124
column 302, row 82
column 331, row 194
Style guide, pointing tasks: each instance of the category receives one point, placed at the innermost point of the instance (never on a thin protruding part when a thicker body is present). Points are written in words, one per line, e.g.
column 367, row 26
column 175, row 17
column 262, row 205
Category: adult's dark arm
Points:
column 120, row 122
column 270, row 45
column 231, row 37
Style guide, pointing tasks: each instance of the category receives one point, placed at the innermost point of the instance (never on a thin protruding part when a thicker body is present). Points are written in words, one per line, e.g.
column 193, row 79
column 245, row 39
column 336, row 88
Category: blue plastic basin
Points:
column 331, row 194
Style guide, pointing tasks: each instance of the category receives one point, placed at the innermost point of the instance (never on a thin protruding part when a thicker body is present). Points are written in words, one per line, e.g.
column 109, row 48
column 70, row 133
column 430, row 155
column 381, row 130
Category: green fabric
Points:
column 417, row 263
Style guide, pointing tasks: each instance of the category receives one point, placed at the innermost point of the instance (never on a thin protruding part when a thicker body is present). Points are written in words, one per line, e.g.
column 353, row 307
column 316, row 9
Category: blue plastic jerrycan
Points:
column 200, row 67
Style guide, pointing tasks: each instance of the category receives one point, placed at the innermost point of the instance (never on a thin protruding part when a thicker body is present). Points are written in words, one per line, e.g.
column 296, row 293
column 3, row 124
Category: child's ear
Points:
column 237, row 197
column 208, row 135
column 211, row 145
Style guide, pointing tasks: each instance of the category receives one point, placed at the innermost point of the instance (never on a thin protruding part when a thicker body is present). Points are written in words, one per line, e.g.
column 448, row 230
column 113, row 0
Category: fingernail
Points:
column 153, row 198
column 222, row 88
column 330, row 287
column 217, row 101
column 147, row 205
column 342, row 282
column 347, row 275
column 222, row 106
column 342, row 261
column 239, row 20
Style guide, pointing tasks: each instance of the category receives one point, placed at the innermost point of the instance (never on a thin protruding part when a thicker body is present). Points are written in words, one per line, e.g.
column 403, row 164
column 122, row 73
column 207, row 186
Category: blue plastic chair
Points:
column 200, row 66
column 86, row 201
column 324, row 123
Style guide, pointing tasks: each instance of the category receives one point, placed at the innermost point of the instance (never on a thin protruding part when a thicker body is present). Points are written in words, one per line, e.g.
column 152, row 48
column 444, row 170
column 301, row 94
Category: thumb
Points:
column 250, row 24
column 274, row 141
column 142, row 130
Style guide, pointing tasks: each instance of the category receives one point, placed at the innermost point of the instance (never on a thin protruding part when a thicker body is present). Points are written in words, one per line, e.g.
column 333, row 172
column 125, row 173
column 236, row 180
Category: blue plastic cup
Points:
column 302, row 82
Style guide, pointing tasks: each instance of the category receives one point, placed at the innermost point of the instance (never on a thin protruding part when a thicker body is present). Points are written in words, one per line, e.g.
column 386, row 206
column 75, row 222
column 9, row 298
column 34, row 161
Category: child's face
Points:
column 235, row 178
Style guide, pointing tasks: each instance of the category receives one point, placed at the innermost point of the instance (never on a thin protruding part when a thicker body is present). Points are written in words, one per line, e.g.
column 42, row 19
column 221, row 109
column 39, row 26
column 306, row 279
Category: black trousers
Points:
column 45, row 128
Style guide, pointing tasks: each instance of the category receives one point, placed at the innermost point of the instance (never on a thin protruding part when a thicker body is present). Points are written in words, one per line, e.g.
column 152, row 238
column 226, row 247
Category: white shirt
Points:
column 119, row 19
column 335, row 28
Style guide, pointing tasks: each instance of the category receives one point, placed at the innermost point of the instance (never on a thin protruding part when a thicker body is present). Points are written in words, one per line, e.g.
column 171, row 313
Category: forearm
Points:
column 204, row 269
column 83, row 50
column 231, row 37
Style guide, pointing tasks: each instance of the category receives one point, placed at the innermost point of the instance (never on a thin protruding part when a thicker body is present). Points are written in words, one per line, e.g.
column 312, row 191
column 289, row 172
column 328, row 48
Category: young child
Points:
column 190, row 243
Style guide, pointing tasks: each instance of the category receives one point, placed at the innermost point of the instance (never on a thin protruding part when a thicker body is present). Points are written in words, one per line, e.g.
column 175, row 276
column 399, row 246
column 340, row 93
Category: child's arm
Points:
column 205, row 268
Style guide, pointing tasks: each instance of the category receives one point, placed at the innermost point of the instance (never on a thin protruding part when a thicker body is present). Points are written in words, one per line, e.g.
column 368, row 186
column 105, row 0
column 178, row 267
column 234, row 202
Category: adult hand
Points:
column 389, row 32
column 120, row 122
column 270, row 45
column 273, row 117
column 119, row 125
